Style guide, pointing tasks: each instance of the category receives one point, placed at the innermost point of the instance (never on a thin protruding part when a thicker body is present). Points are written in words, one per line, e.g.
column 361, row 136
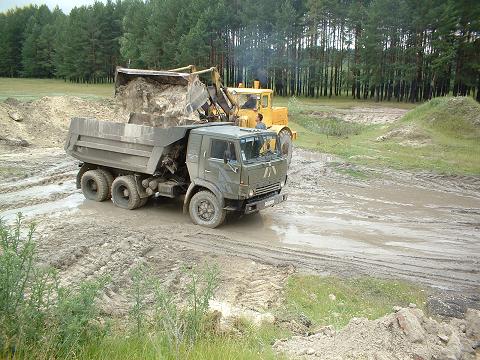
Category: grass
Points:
column 439, row 136
column 30, row 89
column 360, row 297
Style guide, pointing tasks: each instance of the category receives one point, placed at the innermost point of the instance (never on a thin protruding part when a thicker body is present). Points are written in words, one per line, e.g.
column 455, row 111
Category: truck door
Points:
column 266, row 109
column 225, row 176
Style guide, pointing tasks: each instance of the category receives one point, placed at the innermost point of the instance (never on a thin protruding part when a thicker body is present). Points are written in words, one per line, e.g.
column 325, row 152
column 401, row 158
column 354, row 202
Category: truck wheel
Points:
column 143, row 201
column 94, row 185
column 124, row 192
column 205, row 210
column 109, row 177
column 286, row 144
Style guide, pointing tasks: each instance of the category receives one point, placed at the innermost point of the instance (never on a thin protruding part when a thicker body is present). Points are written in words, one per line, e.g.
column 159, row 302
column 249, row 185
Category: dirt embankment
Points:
column 405, row 334
column 44, row 122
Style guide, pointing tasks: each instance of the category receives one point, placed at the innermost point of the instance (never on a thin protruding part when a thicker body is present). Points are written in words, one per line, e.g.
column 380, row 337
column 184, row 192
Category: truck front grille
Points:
column 267, row 189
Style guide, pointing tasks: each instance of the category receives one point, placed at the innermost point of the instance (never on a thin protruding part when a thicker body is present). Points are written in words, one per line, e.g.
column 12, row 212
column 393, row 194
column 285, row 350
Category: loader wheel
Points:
column 124, row 192
column 205, row 210
column 109, row 177
column 94, row 185
column 286, row 144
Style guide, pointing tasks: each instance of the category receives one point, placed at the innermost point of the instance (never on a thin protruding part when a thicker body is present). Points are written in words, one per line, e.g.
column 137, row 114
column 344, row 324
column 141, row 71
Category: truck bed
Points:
column 131, row 147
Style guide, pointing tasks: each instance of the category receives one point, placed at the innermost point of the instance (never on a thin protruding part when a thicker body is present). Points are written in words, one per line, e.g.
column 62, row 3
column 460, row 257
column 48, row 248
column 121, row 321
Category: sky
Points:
column 65, row 5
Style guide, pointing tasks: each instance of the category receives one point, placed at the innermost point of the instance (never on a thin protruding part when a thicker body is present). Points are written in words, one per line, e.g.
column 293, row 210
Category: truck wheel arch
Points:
column 199, row 185
column 83, row 169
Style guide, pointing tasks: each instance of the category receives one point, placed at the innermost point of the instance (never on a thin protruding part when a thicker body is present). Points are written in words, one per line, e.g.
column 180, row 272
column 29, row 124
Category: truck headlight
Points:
column 251, row 193
column 282, row 184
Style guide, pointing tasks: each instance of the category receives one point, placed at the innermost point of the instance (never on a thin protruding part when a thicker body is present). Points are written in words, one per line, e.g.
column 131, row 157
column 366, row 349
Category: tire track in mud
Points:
column 86, row 249
column 344, row 266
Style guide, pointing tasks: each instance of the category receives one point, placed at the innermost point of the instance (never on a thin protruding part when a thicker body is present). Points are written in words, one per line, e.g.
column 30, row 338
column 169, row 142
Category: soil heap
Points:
column 44, row 122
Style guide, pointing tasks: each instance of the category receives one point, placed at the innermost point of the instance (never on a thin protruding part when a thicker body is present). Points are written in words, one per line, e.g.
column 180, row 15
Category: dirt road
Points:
column 418, row 227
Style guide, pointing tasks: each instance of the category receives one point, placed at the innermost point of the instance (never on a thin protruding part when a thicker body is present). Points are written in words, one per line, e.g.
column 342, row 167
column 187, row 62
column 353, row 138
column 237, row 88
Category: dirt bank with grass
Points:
column 442, row 135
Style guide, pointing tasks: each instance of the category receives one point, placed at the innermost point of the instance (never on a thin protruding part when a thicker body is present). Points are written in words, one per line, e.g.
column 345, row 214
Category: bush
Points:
column 36, row 313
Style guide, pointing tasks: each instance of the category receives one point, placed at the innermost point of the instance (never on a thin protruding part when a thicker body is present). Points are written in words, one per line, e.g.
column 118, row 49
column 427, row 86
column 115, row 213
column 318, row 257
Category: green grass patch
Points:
column 330, row 126
column 357, row 174
column 442, row 135
column 360, row 297
column 30, row 89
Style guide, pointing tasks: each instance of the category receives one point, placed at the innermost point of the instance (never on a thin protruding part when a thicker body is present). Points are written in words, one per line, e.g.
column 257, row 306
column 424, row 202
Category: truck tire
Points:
column 286, row 144
column 125, row 193
column 94, row 185
column 143, row 201
column 205, row 210
column 109, row 177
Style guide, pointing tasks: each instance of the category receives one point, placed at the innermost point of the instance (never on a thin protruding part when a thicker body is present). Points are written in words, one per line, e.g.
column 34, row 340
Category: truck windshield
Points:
column 260, row 147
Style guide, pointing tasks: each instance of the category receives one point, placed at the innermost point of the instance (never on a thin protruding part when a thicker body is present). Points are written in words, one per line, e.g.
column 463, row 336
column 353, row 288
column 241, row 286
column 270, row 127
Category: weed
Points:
column 35, row 312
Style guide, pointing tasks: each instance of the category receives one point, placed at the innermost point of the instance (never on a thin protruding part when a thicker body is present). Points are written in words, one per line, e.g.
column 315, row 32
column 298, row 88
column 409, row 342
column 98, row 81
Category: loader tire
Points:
column 286, row 144
column 205, row 210
column 125, row 193
column 109, row 177
column 94, row 185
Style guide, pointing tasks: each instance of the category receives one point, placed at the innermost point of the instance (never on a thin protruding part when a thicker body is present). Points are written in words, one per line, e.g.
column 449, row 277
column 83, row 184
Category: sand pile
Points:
column 150, row 103
column 44, row 122
column 404, row 334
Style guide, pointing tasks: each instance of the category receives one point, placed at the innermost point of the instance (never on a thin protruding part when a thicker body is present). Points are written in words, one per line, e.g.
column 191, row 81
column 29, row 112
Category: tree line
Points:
column 404, row 50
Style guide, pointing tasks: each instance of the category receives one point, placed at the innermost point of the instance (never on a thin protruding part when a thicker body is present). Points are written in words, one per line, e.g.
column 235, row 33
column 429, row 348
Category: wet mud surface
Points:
column 419, row 227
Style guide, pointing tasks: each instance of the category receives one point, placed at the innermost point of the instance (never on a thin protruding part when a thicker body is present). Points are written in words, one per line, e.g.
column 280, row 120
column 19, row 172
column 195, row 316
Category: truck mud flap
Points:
column 264, row 203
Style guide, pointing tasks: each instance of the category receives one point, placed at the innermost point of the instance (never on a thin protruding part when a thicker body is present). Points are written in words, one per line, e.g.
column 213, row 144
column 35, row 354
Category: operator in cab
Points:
column 260, row 124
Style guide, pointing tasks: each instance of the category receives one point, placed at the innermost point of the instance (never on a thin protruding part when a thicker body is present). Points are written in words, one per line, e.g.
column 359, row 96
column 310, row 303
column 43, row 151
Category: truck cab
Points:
column 243, row 167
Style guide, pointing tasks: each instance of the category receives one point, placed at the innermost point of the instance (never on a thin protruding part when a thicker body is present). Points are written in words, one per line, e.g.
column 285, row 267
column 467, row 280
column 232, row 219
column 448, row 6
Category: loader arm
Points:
column 219, row 92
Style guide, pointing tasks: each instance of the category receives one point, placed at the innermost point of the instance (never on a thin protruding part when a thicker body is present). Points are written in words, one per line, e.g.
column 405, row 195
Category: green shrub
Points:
column 38, row 317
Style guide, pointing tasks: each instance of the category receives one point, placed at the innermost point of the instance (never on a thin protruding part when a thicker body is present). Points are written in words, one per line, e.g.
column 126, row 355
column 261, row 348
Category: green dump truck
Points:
column 216, row 167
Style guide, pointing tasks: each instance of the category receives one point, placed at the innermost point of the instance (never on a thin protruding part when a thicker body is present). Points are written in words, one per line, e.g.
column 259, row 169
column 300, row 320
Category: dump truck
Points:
column 215, row 102
column 215, row 167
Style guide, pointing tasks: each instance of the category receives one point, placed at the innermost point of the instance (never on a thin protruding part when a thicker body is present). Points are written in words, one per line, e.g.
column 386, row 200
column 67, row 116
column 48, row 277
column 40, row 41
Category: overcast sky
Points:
column 65, row 5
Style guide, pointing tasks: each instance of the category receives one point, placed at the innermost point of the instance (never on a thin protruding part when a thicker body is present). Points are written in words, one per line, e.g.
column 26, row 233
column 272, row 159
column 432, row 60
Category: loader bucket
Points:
column 124, row 75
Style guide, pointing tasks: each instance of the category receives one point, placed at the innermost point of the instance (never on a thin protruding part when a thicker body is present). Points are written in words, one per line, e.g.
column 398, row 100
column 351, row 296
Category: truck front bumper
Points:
column 264, row 203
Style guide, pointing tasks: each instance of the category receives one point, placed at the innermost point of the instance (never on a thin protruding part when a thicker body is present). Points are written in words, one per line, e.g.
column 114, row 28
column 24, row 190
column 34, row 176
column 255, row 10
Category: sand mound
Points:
column 405, row 334
column 154, row 104
column 44, row 122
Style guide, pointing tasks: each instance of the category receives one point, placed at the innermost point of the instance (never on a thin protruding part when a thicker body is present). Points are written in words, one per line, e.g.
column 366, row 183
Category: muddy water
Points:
column 332, row 224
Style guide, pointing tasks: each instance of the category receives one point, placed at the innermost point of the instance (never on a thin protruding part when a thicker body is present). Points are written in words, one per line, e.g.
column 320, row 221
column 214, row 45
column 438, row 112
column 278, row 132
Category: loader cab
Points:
column 250, row 102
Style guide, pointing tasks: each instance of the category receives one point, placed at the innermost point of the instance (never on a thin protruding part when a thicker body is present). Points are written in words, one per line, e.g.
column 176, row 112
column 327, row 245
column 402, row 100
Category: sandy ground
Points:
column 419, row 227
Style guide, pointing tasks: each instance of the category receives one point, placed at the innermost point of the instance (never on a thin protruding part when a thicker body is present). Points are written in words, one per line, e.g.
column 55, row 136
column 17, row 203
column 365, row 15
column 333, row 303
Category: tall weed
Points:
column 36, row 313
